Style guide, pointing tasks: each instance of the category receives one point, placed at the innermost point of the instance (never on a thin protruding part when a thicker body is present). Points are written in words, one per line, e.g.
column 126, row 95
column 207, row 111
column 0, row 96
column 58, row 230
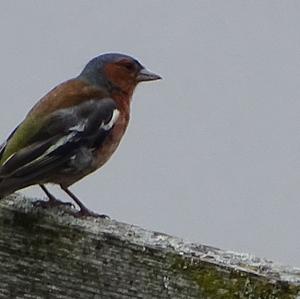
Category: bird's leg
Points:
column 84, row 211
column 52, row 202
column 49, row 195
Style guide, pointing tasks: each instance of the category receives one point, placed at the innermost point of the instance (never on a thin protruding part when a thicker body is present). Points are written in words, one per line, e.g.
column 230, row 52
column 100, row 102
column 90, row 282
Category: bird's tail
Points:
column 9, row 186
column 2, row 194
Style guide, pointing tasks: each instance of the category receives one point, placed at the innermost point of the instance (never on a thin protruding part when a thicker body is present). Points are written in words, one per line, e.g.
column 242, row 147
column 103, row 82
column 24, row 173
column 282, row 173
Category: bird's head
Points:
column 117, row 72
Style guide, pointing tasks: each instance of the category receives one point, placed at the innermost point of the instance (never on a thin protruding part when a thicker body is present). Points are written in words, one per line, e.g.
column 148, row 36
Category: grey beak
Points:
column 145, row 75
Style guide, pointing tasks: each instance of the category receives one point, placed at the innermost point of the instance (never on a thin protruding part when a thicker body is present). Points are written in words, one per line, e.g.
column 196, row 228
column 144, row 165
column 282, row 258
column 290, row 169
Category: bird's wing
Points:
column 4, row 144
column 61, row 134
column 2, row 148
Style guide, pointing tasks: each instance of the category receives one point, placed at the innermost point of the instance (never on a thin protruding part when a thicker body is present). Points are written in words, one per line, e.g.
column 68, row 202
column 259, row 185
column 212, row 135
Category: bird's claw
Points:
column 88, row 213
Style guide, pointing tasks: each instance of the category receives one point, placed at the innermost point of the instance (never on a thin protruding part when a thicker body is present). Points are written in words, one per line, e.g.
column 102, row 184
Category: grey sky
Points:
column 212, row 153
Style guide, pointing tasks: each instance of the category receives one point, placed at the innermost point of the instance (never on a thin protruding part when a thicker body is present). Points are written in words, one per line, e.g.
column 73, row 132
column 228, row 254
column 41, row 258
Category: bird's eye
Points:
column 128, row 65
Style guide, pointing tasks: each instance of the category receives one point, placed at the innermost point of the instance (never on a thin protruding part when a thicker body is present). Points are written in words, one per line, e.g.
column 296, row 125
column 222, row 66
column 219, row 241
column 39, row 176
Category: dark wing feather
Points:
column 86, row 117
column 25, row 157
column 64, row 133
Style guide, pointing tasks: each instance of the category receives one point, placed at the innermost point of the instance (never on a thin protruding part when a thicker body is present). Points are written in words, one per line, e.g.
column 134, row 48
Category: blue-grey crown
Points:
column 94, row 69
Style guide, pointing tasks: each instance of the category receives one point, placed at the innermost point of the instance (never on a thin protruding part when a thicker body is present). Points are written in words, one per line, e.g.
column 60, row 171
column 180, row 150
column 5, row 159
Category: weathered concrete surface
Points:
column 51, row 254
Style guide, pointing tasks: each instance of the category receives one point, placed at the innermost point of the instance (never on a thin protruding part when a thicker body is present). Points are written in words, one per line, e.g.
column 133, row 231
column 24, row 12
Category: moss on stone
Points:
column 217, row 282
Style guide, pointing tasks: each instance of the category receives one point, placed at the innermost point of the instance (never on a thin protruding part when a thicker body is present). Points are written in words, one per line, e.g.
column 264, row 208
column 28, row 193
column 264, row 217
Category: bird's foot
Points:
column 88, row 213
column 53, row 203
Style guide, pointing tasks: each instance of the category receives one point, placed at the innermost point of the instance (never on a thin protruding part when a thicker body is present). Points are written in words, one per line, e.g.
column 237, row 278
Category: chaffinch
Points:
column 74, row 129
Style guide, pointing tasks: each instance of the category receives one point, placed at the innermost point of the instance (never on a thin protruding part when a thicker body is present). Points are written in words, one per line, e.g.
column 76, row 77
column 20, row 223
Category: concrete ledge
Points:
column 51, row 254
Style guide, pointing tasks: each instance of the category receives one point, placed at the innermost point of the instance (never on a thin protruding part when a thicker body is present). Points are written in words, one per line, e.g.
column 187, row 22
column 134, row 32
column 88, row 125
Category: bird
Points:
column 74, row 129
